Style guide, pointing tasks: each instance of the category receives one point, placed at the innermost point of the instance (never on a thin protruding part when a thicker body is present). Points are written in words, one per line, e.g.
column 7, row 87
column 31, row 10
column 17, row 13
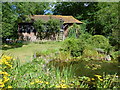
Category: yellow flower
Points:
column 97, row 76
column 92, row 79
column 9, row 86
column 63, row 81
column 8, row 58
column 100, row 79
column 6, row 62
column 57, row 86
column 6, row 79
column 2, row 85
column 40, row 82
column 0, row 80
column 32, row 83
column 13, row 58
column 46, row 83
column 1, row 72
column 63, row 86
column 71, row 84
column 6, row 74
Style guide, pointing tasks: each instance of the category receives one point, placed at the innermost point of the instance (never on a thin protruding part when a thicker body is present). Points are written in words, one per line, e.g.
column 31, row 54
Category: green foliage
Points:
column 96, row 16
column 109, row 21
column 46, row 29
column 74, row 31
column 39, row 26
column 72, row 45
column 9, row 19
column 63, row 56
column 53, row 26
column 99, row 41
column 86, row 44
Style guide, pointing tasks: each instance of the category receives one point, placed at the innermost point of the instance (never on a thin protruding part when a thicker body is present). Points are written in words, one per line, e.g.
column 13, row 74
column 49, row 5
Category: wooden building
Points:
column 28, row 32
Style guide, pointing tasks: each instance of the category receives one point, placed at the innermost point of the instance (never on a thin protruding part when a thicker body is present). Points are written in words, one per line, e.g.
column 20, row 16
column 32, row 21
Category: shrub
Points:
column 76, row 46
column 99, row 41
column 71, row 45
column 39, row 25
column 74, row 31
column 87, row 44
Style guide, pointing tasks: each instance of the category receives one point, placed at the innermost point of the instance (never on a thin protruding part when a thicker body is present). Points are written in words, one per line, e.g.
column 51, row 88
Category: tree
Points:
column 74, row 31
column 53, row 27
column 83, row 11
column 8, row 21
column 100, row 18
column 108, row 17
column 39, row 26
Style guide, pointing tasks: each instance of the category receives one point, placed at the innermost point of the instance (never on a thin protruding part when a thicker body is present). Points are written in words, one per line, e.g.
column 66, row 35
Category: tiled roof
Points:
column 66, row 19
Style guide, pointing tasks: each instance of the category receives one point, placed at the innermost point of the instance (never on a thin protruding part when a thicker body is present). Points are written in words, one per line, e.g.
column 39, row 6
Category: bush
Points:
column 74, row 31
column 39, row 25
column 71, row 45
column 86, row 42
column 99, row 41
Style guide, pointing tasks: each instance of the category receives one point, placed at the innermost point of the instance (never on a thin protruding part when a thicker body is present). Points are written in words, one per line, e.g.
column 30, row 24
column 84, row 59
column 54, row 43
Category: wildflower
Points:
column 36, row 80
column 13, row 58
column 97, row 76
column 46, row 83
column 0, row 80
column 5, row 73
column 100, row 79
column 92, row 79
column 9, row 86
column 6, row 79
column 71, row 84
column 57, row 86
column 2, row 85
column 63, row 81
column 40, row 82
column 1, row 72
column 32, row 83
column 8, row 58
column 63, row 86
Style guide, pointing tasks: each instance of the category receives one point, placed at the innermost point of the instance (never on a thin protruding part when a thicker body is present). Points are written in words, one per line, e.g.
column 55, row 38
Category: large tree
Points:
column 99, row 17
column 83, row 11
column 9, row 19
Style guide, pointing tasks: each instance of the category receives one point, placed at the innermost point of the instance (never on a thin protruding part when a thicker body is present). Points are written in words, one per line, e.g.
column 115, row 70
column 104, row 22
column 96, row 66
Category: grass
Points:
column 26, row 52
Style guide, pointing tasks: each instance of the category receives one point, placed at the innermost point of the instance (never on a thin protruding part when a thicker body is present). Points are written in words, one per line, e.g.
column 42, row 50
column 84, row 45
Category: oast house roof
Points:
column 65, row 19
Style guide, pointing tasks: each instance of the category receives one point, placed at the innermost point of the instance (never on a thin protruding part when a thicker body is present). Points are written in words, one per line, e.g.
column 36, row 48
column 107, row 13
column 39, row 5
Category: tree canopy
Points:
column 100, row 18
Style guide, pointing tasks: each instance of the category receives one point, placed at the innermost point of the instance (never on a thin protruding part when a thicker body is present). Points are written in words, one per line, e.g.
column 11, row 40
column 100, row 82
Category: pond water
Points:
column 90, row 68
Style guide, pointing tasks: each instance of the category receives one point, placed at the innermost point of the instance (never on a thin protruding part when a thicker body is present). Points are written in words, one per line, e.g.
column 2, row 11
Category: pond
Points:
column 89, row 68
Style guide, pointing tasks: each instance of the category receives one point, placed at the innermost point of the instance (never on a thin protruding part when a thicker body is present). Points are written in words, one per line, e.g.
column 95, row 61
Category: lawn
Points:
column 25, row 52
